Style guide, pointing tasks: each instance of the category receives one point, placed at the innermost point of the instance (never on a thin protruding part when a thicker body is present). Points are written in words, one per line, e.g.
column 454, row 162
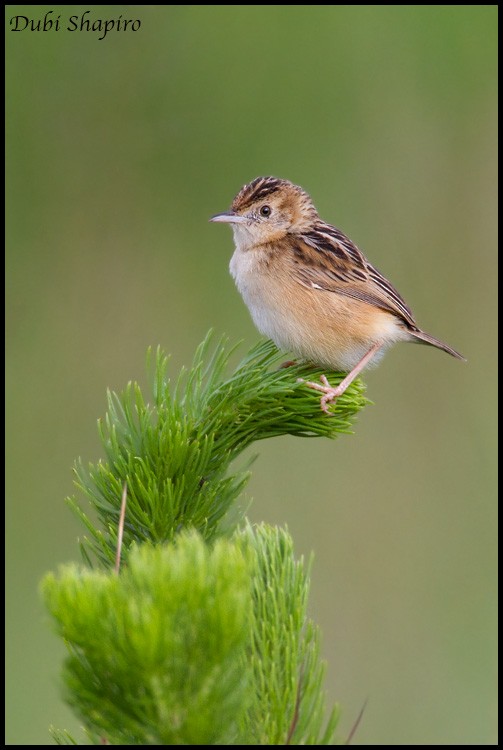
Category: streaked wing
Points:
column 328, row 260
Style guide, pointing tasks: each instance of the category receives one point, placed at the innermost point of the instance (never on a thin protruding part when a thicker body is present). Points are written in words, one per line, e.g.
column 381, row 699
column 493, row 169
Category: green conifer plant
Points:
column 201, row 636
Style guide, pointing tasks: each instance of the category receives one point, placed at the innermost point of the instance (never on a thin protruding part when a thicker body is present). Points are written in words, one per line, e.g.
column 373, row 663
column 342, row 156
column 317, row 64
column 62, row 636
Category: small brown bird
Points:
column 309, row 288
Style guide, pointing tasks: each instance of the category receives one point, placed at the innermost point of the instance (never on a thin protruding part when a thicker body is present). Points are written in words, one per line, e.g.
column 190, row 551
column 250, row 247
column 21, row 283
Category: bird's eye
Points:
column 265, row 211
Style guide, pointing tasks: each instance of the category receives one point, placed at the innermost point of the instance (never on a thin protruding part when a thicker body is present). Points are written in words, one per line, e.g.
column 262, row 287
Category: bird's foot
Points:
column 330, row 394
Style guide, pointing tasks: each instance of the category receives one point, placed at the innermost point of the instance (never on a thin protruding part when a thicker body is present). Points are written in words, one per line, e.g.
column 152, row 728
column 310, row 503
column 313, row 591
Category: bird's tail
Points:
column 425, row 338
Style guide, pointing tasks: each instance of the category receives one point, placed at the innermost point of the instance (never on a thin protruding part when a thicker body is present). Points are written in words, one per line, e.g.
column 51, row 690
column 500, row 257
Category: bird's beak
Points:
column 229, row 217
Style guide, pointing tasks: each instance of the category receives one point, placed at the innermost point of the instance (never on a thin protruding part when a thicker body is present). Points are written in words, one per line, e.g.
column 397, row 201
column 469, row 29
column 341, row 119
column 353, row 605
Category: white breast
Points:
column 246, row 267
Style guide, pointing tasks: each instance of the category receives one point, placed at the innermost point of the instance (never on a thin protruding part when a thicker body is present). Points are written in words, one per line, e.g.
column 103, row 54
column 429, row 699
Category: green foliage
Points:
column 202, row 637
column 288, row 701
column 193, row 644
column 175, row 453
column 156, row 653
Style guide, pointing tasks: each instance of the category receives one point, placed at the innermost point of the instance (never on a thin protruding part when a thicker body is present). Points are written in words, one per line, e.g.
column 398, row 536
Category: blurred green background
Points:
column 118, row 151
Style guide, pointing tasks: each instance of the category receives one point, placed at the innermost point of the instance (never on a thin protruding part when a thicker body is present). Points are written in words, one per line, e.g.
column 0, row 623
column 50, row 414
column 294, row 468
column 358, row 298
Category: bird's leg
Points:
column 331, row 394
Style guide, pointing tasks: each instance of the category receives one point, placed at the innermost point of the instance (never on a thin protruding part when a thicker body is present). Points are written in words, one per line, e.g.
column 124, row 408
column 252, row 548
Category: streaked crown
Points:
column 291, row 200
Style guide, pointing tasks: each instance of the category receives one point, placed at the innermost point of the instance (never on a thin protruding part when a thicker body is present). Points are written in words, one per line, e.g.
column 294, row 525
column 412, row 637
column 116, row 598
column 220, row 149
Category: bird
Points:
column 310, row 289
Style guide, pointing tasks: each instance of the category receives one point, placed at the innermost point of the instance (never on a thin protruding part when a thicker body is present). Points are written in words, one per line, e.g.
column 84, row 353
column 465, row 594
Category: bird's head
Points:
column 266, row 210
